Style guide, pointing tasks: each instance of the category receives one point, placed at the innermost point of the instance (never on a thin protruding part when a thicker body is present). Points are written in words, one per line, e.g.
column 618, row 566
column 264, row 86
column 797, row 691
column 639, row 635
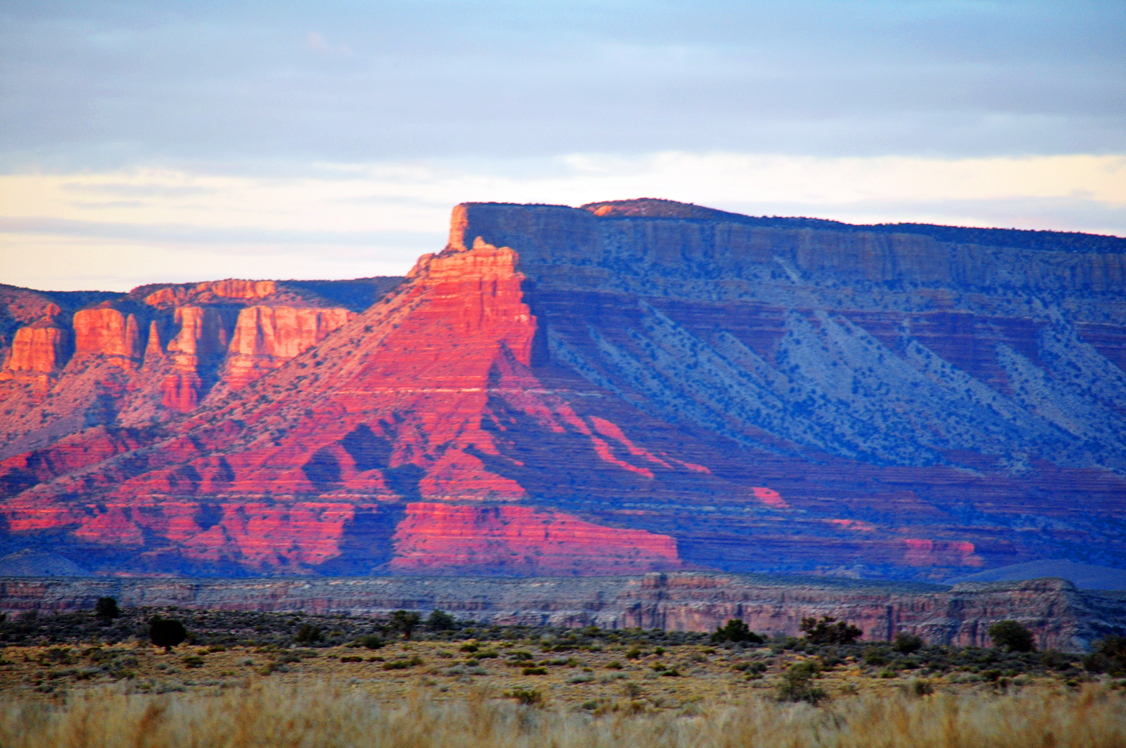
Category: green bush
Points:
column 829, row 631
column 907, row 643
column 308, row 634
column 921, row 687
column 797, row 684
column 440, row 620
column 371, row 641
column 526, row 696
column 736, row 630
column 405, row 622
column 1012, row 637
column 1109, row 656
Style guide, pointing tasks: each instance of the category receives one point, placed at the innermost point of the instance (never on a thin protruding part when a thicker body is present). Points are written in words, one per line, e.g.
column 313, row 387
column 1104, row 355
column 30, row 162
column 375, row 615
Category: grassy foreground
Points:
column 273, row 713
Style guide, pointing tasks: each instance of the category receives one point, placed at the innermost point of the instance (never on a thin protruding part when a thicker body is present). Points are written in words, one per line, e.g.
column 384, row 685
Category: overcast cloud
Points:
column 409, row 102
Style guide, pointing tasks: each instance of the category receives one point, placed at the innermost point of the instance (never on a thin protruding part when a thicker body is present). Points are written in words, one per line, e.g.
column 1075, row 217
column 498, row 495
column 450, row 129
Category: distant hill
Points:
column 1083, row 576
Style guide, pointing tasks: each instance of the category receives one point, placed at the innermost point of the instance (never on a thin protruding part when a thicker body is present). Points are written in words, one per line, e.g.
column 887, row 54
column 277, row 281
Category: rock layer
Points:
column 1060, row 616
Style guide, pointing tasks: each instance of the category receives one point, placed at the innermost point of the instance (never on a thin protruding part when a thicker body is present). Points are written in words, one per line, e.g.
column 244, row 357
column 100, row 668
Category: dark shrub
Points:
column 829, row 631
column 526, row 696
column 1109, row 656
column 736, row 631
column 166, row 632
column 907, row 643
column 308, row 634
column 106, row 609
column 371, row 641
column 1054, row 660
column 440, row 620
column 1012, row 637
column 405, row 622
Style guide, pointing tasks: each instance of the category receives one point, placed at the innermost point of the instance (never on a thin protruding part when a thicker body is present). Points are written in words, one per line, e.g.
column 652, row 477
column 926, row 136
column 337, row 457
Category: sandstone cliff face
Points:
column 143, row 357
column 573, row 391
column 108, row 332
column 40, row 348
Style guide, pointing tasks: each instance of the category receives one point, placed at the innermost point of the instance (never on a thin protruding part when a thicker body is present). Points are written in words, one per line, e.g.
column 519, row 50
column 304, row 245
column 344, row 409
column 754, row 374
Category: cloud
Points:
column 148, row 84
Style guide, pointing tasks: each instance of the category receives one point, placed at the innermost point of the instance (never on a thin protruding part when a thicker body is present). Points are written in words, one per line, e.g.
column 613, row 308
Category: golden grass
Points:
column 331, row 713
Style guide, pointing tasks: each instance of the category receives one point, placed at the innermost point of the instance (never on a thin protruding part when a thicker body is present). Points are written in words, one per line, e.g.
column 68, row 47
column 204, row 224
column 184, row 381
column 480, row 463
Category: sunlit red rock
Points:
column 40, row 348
column 265, row 337
column 107, row 332
column 522, row 540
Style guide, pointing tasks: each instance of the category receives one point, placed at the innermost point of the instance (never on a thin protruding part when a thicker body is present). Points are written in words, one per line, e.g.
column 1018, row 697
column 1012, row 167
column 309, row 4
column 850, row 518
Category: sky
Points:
column 177, row 141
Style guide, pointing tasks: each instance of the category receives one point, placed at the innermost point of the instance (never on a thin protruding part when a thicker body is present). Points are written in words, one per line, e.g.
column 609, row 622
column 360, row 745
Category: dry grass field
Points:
column 295, row 681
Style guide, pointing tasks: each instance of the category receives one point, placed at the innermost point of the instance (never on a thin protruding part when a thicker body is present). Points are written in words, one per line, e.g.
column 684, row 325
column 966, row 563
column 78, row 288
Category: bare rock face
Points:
column 627, row 387
column 266, row 337
column 105, row 331
column 39, row 348
column 1060, row 616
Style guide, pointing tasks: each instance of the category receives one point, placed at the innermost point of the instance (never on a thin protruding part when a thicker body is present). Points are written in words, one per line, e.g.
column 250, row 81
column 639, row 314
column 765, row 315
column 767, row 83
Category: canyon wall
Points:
column 1060, row 616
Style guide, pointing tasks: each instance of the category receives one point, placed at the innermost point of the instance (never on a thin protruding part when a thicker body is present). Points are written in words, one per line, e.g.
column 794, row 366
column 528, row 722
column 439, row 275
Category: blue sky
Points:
column 175, row 141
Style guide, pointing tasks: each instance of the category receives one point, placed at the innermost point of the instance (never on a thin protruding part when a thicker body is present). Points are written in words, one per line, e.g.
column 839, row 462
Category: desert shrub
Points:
column 192, row 661
column 1109, row 656
column 309, row 634
column 440, row 620
column 106, row 609
column 736, row 630
column 525, row 696
column 405, row 622
column 371, row 641
column 402, row 664
column 166, row 632
column 920, row 687
column 829, row 630
column 1012, row 637
column 1053, row 659
column 907, row 643
column 535, row 671
column 797, row 684
column 633, row 654
column 615, row 665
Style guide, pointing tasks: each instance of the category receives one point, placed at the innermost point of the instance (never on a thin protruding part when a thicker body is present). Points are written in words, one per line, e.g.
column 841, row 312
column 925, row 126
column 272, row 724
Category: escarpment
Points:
column 1059, row 616
column 620, row 388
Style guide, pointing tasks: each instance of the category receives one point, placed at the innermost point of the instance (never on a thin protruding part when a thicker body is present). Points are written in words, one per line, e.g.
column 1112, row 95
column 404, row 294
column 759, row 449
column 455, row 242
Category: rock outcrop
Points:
column 1060, row 616
column 628, row 387
column 39, row 348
